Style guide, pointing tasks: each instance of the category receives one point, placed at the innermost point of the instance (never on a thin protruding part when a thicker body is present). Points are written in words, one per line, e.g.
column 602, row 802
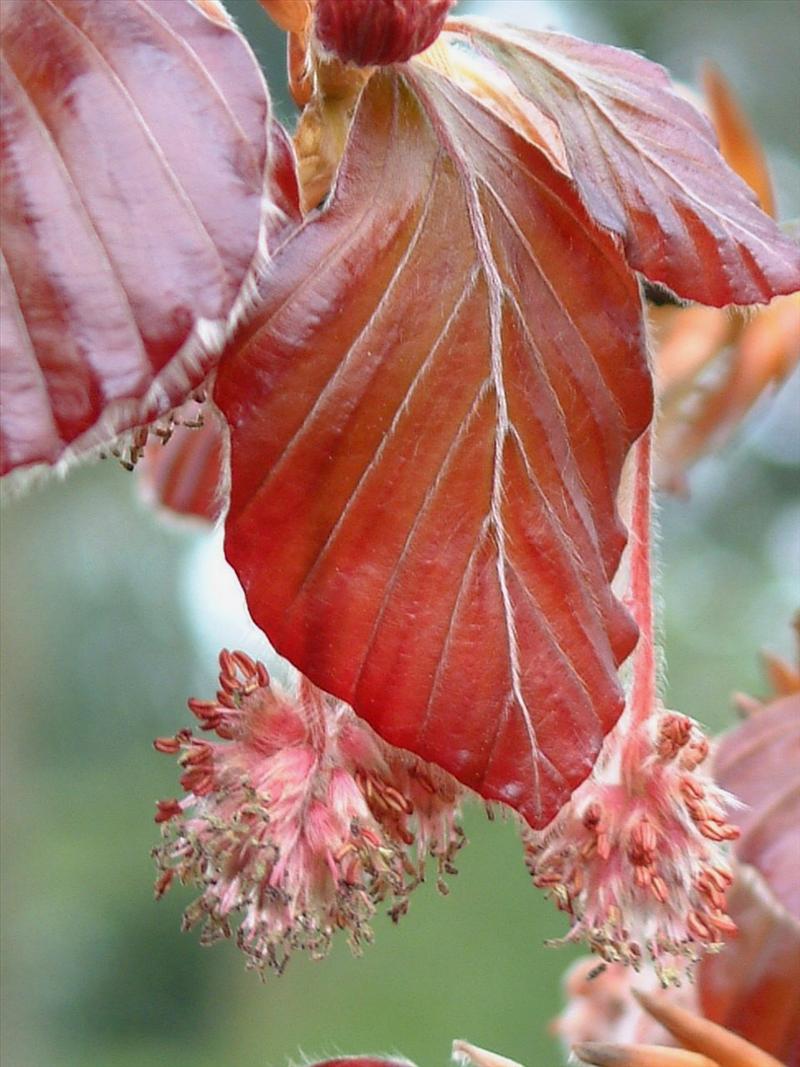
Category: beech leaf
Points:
column 429, row 413
column 647, row 166
column 134, row 152
column 759, row 763
column 363, row 1061
column 713, row 367
column 184, row 475
column 751, row 985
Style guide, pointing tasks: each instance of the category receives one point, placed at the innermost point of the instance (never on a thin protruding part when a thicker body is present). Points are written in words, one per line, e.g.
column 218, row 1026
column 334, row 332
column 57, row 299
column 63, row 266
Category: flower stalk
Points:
column 636, row 857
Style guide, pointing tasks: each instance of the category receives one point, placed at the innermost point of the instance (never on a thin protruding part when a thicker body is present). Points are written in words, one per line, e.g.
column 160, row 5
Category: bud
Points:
column 378, row 32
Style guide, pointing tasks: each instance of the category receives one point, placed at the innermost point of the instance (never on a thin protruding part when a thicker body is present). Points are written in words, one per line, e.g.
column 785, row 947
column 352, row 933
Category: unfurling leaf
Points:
column 647, row 166
column 751, row 986
column 429, row 414
column 363, row 1061
column 740, row 147
column 640, row 1056
column 134, row 155
column 712, row 366
column 291, row 15
column 703, row 1037
column 759, row 763
column 184, row 472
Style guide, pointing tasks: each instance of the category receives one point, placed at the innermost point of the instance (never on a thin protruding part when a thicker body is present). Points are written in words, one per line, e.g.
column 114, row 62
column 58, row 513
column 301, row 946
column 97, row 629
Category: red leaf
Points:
column 184, row 474
column 429, row 413
column 751, row 985
column 362, row 1061
column 284, row 193
column 713, row 366
column 738, row 141
column 134, row 152
column 759, row 762
column 647, row 166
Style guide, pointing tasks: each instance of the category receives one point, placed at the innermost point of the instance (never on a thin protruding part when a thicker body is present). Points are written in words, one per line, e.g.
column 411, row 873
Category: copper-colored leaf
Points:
column 184, row 473
column 713, row 366
column 738, row 143
column 283, row 189
column 751, row 986
column 429, row 414
column 709, row 390
column 291, row 15
column 647, row 166
column 603, row 1055
column 362, row 1061
column 704, row 1037
column 759, row 763
column 133, row 152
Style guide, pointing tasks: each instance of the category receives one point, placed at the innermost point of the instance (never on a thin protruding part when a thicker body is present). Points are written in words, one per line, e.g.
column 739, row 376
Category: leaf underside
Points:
column 134, row 150
column 647, row 166
column 429, row 414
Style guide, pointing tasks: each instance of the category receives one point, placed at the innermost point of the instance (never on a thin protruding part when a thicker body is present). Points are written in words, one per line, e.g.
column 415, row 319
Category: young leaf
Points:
column 185, row 471
column 362, row 1061
column 713, row 367
column 429, row 414
column 751, row 986
column 759, row 763
column 133, row 157
column 647, row 166
column 701, row 1036
column 739, row 144
column 184, row 474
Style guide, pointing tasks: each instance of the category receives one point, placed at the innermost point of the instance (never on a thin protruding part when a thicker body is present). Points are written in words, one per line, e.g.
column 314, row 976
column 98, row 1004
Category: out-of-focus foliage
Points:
column 104, row 618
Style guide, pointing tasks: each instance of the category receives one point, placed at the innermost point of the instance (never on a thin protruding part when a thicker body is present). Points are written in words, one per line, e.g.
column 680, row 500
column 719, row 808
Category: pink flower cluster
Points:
column 636, row 858
column 298, row 819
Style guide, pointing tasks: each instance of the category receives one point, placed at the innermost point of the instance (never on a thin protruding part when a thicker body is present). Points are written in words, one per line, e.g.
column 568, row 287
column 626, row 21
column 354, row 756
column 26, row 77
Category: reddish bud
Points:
column 378, row 32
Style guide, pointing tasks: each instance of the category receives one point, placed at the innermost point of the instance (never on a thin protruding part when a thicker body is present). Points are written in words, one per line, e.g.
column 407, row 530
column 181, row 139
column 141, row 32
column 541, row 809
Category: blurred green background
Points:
column 110, row 619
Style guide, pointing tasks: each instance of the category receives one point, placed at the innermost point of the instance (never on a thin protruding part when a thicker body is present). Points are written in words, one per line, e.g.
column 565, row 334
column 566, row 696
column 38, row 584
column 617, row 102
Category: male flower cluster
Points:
column 637, row 857
column 298, row 819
